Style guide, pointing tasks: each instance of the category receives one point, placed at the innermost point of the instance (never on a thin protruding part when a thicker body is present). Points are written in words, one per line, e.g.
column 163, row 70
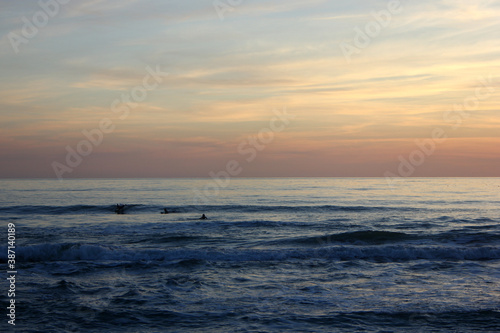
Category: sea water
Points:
column 274, row 255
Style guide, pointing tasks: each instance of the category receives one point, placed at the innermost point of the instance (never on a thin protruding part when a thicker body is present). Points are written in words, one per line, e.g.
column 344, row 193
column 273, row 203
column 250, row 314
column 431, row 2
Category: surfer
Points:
column 165, row 211
column 203, row 217
column 120, row 209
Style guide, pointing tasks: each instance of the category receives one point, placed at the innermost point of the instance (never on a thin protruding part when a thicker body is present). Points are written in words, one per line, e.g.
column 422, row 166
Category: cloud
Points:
column 227, row 75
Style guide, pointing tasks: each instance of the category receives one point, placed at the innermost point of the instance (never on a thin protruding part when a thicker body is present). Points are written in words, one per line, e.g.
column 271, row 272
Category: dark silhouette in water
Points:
column 120, row 209
column 203, row 217
column 165, row 211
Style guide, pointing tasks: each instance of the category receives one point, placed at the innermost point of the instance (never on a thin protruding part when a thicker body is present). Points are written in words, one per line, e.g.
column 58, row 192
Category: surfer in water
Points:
column 203, row 217
column 165, row 211
column 120, row 209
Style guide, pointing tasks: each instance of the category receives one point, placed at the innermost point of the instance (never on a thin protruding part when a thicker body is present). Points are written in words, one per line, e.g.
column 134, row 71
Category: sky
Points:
column 204, row 88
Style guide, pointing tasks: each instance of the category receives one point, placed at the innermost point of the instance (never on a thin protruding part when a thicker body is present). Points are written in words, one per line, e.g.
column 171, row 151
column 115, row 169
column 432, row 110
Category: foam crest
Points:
column 91, row 252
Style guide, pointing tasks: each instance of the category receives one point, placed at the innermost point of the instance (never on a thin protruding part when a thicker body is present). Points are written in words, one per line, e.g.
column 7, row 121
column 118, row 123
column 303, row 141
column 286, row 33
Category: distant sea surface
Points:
column 274, row 255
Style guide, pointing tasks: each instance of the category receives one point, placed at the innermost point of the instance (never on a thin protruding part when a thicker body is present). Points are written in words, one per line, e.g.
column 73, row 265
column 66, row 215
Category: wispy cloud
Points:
column 225, row 77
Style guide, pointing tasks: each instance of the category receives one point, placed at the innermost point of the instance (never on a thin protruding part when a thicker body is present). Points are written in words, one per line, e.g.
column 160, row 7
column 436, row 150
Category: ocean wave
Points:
column 57, row 210
column 465, row 236
column 356, row 237
column 377, row 237
column 145, row 208
column 93, row 252
column 81, row 209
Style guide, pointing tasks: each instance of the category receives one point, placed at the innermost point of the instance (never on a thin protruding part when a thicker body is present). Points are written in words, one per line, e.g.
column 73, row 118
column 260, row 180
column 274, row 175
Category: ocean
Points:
column 274, row 255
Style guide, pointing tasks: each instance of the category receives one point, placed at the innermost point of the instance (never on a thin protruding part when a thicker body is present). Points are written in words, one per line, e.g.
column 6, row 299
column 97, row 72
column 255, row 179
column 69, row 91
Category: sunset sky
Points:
column 365, row 84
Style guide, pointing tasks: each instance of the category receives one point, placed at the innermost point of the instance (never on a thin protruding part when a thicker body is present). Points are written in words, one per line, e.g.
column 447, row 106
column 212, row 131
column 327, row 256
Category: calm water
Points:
column 275, row 255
